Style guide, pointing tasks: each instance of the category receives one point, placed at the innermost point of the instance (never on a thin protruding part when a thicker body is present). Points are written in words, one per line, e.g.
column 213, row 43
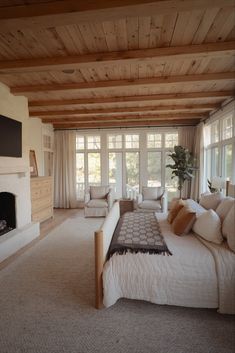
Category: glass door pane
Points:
column 94, row 170
column 215, row 162
column 170, row 184
column 228, row 167
column 132, row 173
column 154, row 168
column 115, row 172
column 80, row 175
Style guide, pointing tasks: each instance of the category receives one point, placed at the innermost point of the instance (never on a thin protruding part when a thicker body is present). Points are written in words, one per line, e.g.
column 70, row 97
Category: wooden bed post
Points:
column 99, row 262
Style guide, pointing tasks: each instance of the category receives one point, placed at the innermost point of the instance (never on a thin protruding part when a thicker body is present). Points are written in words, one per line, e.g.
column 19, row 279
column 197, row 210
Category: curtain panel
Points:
column 65, row 170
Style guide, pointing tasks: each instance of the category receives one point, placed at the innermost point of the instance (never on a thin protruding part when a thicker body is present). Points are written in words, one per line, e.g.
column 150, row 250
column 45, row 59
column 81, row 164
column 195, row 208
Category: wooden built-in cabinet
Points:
column 41, row 198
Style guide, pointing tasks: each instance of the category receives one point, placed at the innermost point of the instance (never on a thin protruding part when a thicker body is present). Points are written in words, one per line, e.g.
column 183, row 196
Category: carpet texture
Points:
column 46, row 306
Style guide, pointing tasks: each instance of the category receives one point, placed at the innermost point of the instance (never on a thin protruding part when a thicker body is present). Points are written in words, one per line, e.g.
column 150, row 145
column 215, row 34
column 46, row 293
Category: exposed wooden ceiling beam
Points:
column 144, row 123
column 182, row 116
column 154, row 97
column 125, row 83
column 188, row 107
column 66, row 12
column 92, row 60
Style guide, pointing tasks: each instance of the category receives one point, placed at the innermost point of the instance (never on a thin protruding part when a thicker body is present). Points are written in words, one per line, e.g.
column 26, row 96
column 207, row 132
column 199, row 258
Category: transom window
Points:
column 171, row 140
column 114, row 141
column 132, row 141
column 80, row 142
column 227, row 127
column 154, row 140
column 93, row 142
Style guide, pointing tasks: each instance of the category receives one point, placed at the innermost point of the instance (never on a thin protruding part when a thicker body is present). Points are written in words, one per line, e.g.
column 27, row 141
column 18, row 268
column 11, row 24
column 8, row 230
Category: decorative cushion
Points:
column 152, row 193
column 195, row 207
column 224, row 207
column 97, row 203
column 228, row 226
column 208, row 226
column 150, row 205
column 178, row 204
column 211, row 201
column 184, row 220
column 99, row 192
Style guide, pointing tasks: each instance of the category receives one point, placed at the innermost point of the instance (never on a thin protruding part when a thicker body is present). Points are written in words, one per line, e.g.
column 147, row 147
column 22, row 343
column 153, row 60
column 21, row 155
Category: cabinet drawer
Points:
column 37, row 193
column 41, row 203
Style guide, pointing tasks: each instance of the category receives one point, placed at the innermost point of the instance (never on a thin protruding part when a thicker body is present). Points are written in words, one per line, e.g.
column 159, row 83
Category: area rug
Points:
column 47, row 306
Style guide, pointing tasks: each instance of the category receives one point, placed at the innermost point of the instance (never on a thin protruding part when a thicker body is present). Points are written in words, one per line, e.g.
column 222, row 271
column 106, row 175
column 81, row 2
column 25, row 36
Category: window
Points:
column 80, row 143
column 132, row 141
column 115, row 172
column 170, row 184
column 94, row 168
column 124, row 159
column 93, row 142
column 154, row 168
column 228, row 161
column 154, row 140
column 114, row 141
column 215, row 132
column 171, row 140
column 227, row 127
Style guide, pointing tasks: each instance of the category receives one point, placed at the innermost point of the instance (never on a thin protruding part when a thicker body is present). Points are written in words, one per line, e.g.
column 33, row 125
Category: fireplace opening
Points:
column 7, row 212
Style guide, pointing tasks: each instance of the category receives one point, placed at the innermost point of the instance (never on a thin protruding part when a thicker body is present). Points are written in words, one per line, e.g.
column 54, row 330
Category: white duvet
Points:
column 187, row 278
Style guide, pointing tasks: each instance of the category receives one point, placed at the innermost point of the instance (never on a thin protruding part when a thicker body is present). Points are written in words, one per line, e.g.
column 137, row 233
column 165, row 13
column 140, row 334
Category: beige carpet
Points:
column 46, row 306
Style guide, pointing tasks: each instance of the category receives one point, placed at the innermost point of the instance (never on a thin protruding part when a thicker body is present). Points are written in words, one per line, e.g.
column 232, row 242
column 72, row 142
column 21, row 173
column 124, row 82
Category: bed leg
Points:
column 98, row 269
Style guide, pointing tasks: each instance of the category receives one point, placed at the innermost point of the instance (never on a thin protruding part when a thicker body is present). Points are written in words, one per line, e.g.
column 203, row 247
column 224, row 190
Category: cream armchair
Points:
column 152, row 199
column 98, row 201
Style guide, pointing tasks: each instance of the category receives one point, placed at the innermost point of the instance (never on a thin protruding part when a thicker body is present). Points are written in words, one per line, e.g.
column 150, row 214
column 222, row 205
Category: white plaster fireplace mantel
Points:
column 14, row 170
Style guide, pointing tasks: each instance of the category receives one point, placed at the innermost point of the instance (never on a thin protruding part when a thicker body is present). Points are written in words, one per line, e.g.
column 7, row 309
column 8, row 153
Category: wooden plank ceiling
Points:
column 88, row 64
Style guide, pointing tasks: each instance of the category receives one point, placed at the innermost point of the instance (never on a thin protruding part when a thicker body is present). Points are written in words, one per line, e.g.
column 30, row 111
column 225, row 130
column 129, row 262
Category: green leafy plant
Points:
column 183, row 165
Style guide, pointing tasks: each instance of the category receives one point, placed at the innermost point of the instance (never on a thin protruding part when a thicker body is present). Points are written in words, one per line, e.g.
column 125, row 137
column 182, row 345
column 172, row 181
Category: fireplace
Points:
column 7, row 212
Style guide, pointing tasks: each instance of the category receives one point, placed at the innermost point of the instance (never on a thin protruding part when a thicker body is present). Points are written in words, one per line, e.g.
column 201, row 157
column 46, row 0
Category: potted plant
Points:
column 183, row 166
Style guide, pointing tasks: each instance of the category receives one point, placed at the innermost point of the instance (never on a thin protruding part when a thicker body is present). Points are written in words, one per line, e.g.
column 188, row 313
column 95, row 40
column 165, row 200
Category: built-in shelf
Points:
column 14, row 170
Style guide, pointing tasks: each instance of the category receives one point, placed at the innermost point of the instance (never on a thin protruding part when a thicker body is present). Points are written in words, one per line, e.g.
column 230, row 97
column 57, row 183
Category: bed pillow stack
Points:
column 211, row 201
column 181, row 217
column 174, row 210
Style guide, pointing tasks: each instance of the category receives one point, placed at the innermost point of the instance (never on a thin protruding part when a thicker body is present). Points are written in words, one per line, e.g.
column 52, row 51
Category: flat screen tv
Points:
column 10, row 137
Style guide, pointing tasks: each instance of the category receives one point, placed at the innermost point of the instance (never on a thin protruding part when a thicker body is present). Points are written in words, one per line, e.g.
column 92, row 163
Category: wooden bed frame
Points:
column 103, row 239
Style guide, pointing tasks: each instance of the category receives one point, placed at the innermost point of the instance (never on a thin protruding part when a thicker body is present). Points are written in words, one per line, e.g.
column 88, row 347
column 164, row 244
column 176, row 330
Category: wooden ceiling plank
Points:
column 65, row 12
column 167, row 96
column 162, row 80
column 189, row 107
column 159, row 55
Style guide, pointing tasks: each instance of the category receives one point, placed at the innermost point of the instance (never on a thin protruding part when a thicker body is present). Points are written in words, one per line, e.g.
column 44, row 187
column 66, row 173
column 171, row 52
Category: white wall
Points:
column 15, row 107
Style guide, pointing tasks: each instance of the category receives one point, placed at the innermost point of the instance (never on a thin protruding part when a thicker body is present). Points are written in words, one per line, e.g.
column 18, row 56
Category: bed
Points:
column 198, row 274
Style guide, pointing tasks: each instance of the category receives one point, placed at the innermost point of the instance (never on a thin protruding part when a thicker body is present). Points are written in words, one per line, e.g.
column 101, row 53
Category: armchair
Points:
column 152, row 199
column 98, row 201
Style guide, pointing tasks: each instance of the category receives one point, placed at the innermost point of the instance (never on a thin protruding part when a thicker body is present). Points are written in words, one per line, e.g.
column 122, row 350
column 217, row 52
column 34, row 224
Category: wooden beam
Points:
column 137, row 117
column 144, row 123
column 200, row 107
column 92, row 60
column 228, row 76
column 67, row 12
column 140, row 98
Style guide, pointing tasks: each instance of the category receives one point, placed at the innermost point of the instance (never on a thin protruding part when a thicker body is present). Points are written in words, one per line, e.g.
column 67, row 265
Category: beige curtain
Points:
column 65, row 170
column 197, row 182
column 186, row 140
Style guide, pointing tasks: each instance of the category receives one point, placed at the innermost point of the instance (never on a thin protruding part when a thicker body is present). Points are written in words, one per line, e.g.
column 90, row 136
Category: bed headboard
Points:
column 103, row 238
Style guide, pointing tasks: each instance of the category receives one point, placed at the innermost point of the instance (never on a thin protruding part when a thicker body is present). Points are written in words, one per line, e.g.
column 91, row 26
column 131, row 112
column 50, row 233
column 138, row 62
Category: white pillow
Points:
column 224, row 207
column 228, row 228
column 211, row 201
column 208, row 226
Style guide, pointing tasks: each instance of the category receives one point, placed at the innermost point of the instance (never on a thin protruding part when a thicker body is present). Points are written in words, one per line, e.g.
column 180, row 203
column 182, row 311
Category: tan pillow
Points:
column 224, row 207
column 211, row 201
column 175, row 210
column 184, row 220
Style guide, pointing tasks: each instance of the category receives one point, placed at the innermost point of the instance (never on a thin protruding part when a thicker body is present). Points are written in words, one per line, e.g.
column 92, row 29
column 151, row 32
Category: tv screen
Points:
column 10, row 137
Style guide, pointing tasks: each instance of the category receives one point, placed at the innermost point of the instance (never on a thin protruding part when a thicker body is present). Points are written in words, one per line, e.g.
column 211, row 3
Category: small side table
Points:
column 126, row 205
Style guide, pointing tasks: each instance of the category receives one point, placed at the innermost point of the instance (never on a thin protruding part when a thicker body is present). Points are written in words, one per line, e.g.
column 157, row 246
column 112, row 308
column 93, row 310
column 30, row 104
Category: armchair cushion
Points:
column 99, row 192
column 100, row 203
column 150, row 205
column 152, row 193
